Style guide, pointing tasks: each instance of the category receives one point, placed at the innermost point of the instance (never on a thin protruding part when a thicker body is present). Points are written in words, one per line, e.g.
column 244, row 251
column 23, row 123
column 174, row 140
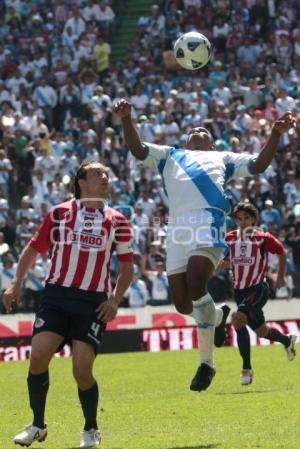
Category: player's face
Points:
column 244, row 220
column 96, row 182
column 199, row 139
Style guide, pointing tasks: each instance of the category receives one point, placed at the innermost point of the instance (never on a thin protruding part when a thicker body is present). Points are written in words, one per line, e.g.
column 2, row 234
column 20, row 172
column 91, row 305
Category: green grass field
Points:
column 146, row 403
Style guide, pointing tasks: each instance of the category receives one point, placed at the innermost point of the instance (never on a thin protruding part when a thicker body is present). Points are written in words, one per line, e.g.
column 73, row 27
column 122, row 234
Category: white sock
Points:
column 204, row 313
column 219, row 316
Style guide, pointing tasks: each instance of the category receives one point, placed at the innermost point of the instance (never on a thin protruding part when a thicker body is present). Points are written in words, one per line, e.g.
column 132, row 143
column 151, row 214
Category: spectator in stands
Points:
column 159, row 285
column 137, row 293
column 5, row 169
column 7, row 272
column 270, row 215
column 33, row 283
column 293, row 241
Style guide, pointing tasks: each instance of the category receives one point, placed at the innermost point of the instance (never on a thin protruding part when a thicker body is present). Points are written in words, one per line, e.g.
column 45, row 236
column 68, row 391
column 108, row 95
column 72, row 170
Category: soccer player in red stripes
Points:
column 248, row 258
column 77, row 301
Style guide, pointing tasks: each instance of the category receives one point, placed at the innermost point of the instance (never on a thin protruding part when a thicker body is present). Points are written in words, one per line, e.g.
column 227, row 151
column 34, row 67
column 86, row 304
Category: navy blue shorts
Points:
column 70, row 312
column 251, row 301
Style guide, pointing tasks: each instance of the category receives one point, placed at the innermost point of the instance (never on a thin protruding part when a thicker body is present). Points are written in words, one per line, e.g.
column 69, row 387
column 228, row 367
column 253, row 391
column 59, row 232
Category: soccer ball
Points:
column 192, row 50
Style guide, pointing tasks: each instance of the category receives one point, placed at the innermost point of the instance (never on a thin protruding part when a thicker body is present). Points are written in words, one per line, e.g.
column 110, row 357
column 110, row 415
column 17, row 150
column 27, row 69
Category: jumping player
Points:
column 194, row 179
column 248, row 259
column 82, row 233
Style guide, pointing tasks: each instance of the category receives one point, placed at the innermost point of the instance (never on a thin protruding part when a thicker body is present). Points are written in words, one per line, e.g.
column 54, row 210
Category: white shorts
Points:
column 196, row 233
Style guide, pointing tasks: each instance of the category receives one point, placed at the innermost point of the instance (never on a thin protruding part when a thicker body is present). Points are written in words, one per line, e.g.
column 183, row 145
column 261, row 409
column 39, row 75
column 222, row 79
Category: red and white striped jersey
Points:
column 82, row 241
column 249, row 256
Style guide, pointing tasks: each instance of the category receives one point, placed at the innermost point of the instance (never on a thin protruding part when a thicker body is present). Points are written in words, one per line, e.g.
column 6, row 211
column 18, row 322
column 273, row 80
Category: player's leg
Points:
column 179, row 292
column 189, row 293
column 44, row 345
column 206, row 315
column 258, row 324
column 83, row 360
column 272, row 334
column 86, row 332
column 239, row 321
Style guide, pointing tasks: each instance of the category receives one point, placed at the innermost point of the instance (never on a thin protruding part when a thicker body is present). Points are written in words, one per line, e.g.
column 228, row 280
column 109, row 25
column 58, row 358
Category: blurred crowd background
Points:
column 59, row 81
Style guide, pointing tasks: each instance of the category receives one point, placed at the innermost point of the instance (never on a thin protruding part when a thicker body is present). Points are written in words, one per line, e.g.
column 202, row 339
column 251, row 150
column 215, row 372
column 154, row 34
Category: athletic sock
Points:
column 219, row 316
column 243, row 341
column 89, row 404
column 38, row 385
column 275, row 335
column 204, row 313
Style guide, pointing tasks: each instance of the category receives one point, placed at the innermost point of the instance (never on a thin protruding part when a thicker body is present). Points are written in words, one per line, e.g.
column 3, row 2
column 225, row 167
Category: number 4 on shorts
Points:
column 95, row 328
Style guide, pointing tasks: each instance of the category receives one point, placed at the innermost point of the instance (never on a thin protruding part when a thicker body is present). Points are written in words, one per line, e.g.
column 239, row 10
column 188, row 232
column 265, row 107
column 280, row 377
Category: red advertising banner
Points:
column 14, row 346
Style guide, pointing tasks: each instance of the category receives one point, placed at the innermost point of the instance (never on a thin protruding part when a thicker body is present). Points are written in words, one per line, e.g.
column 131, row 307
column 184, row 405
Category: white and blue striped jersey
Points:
column 196, row 180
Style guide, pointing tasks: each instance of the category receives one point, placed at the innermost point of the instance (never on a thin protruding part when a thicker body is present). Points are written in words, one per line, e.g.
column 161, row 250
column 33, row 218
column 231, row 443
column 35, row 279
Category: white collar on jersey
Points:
column 81, row 207
column 248, row 236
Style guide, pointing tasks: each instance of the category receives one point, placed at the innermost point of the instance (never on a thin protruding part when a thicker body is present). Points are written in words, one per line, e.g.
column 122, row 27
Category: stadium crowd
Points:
column 59, row 83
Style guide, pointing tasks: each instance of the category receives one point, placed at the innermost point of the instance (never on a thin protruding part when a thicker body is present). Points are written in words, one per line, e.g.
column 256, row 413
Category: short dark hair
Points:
column 247, row 207
column 81, row 174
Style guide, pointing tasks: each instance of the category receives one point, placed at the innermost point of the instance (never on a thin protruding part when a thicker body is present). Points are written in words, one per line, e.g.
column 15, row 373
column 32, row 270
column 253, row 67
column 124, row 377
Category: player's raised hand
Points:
column 284, row 122
column 123, row 108
column 11, row 294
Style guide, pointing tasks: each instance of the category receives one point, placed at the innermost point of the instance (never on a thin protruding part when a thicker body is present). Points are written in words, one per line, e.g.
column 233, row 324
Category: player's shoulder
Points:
column 260, row 233
column 62, row 210
column 156, row 147
column 231, row 236
column 114, row 215
column 267, row 235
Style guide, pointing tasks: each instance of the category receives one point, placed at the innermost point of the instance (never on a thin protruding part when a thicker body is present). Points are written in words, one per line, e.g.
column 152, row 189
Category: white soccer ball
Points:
column 192, row 50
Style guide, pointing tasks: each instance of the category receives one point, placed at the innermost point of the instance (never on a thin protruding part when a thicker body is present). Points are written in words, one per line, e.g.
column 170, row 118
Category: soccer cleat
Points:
column 290, row 350
column 202, row 378
column 247, row 376
column 30, row 434
column 220, row 331
column 90, row 438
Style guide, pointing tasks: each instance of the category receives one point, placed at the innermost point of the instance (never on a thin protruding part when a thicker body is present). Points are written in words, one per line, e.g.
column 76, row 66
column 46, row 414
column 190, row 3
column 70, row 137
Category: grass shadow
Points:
column 246, row 392
column 202, row 446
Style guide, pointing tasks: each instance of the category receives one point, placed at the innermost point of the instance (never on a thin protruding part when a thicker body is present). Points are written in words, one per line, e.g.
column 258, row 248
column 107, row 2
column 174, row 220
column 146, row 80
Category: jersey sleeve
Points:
column 123, row 240
column 273, row 245
column 238, row 165
column 156, row 157
column 42, row 239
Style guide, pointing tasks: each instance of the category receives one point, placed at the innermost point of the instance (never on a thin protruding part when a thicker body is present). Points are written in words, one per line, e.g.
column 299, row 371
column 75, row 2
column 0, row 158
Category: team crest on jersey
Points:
column 88, row 224
column 39, row 322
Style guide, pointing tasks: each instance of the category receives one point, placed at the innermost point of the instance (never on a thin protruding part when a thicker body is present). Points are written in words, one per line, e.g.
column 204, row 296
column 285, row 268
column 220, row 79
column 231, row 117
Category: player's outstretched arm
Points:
column 132, row 138
column 13, row 292
column 280, row 126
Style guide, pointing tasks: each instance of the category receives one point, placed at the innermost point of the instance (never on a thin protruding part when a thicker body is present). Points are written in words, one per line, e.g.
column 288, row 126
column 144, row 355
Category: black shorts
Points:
column 251, row 301
column 70, row 313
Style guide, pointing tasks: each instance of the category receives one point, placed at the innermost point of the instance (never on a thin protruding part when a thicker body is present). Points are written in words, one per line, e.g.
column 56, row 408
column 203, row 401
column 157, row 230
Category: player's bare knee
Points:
column 83, row 375
column 239, row 320
column 184, row 308
column 39, row 362
column 196, row 290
